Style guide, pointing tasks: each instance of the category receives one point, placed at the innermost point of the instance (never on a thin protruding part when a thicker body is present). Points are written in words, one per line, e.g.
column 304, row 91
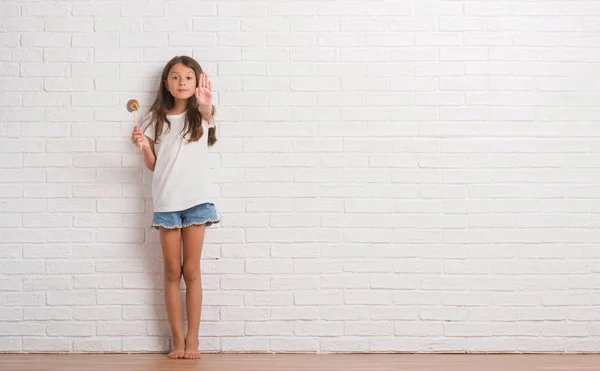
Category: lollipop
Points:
column 133, row 106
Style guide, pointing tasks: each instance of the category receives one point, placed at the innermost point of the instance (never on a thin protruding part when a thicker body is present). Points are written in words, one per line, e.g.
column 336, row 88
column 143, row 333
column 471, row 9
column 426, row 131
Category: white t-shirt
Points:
column 181, row 173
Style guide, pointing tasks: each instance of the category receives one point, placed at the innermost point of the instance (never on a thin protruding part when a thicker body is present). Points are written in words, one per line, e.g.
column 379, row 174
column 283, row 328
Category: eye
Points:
column 189, row 77
column 174, row 77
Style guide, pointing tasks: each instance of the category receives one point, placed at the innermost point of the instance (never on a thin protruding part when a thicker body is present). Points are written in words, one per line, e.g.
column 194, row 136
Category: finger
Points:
column 203, row 80
column 209, row 85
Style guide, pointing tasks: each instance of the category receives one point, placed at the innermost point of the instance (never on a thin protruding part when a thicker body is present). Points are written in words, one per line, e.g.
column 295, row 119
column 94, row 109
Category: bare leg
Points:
column 193, row 239
column 170, row 240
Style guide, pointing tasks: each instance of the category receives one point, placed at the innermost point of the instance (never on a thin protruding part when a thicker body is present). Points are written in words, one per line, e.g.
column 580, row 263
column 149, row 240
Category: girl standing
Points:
column 181, row 130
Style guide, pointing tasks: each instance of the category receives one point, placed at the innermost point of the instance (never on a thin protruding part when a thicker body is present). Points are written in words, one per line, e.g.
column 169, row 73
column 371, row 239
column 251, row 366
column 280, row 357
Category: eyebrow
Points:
column 188, row 73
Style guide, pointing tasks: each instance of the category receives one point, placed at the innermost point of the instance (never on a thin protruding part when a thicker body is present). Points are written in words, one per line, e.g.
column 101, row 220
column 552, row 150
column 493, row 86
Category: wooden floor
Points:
column 305, row 362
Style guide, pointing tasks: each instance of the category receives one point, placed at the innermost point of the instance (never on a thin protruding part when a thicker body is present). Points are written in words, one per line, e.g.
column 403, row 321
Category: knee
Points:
column 173, row 272
column 191, row 273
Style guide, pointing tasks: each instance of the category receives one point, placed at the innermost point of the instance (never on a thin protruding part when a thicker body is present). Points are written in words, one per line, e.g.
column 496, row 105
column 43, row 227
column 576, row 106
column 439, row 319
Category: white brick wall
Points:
column 393, row 176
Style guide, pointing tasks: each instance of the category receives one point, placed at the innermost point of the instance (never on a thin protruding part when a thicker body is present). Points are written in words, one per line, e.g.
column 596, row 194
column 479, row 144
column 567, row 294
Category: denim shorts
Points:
column 200, row 214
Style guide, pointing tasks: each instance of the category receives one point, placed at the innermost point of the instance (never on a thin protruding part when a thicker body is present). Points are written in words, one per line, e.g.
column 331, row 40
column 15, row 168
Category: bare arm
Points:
column 146, row 145
column 149, row 155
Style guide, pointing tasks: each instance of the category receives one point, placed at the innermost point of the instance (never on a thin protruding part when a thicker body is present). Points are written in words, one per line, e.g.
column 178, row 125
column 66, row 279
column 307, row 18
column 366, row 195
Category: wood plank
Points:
column 293, row 362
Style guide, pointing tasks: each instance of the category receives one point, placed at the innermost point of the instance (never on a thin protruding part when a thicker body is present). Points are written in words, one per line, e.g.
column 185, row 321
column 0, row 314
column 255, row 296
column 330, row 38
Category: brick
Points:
column 59, row 40
column 97, row 345
column 47, row 344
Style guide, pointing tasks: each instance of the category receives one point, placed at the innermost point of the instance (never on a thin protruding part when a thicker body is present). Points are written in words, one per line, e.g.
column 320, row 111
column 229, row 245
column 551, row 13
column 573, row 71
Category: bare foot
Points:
column 178, row 351
column 191, row 349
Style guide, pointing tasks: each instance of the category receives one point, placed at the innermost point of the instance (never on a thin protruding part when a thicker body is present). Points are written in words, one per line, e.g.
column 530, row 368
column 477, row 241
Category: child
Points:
column 181, row 123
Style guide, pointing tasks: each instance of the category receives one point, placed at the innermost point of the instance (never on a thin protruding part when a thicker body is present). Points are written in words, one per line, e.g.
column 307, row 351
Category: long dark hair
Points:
column 164, row 102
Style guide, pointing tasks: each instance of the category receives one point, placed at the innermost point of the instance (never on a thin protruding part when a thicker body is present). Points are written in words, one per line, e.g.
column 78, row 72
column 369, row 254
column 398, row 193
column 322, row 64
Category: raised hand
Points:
column 204, row 94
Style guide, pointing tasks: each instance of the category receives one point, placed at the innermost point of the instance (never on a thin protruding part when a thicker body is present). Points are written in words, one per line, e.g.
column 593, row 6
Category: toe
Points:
column 189, row 355
column 176, row 355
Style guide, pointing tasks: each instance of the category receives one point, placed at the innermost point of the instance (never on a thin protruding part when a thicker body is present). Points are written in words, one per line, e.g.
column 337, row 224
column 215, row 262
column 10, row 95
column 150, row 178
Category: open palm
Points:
column 204, row 92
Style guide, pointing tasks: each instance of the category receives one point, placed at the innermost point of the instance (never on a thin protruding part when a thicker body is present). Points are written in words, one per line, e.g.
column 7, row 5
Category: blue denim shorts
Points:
column 200, row 214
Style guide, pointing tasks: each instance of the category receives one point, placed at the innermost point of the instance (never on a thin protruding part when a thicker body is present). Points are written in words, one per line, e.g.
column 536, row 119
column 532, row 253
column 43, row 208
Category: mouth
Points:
column 181, row 90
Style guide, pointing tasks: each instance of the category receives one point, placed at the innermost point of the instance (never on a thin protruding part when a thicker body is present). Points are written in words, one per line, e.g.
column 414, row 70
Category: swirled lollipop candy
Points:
column 133, row 106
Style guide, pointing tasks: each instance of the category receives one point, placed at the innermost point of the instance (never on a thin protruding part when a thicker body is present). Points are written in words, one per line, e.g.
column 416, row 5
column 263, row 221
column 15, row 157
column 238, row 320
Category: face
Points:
column 181, row 81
